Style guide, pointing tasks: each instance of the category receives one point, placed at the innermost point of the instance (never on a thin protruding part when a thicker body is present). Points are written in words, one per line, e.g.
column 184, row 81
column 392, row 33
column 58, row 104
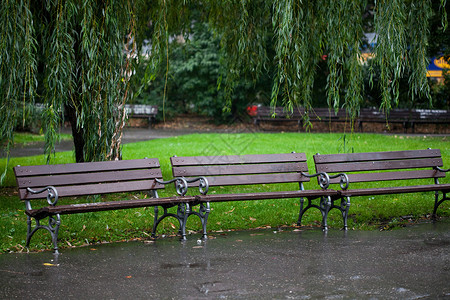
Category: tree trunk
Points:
column 71, row 107
column 77, row 133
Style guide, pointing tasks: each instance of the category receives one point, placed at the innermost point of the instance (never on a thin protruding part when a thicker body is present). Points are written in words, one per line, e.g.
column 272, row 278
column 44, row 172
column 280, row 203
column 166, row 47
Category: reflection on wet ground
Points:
column 409, row 263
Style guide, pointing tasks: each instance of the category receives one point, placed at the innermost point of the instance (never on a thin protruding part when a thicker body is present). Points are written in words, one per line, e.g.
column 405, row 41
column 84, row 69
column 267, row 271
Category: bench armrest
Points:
column 344, row 183
column 180, row 184
column 442, row 170
column 322, row 177
column 52, row 196
column 203, row 186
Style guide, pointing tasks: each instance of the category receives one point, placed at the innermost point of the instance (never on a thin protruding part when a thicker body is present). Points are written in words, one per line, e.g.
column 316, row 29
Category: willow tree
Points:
column 70, row 55
column 76, row 55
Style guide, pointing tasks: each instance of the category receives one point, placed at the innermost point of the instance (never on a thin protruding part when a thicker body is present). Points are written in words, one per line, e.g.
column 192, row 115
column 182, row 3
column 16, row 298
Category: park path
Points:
column 409, row 263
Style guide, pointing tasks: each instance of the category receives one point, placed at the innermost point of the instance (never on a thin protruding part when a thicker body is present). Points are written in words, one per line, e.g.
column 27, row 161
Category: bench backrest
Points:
column 141, row 109
column 79, row 179
column 243, row 169
column 315, row 114
column 381, row 166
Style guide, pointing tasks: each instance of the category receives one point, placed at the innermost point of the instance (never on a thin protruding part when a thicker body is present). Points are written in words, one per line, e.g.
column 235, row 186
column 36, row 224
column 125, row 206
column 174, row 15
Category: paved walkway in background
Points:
column 410, row 263
column 131, row 135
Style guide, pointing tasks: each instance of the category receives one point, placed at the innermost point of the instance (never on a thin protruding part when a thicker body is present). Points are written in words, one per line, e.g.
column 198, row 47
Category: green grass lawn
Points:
column 365, row 212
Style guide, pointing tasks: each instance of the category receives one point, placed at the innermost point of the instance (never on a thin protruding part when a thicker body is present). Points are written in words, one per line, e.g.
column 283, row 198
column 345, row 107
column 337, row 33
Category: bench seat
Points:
column 309, row 194
column 395, row 190
column 105, row 206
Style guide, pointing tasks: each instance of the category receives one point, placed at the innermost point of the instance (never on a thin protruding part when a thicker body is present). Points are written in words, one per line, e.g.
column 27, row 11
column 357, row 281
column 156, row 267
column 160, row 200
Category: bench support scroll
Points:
column 54, row 221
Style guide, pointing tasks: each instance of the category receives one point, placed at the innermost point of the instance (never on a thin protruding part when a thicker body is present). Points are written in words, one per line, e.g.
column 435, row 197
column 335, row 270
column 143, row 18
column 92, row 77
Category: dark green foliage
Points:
column 192, row 80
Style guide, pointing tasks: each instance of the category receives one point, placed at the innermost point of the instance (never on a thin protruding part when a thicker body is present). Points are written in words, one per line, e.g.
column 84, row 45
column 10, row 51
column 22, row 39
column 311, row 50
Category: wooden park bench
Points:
column 395, row 171
column 407, row 118
column 53, row 182
column 395, row 116
column 255, row 170
column 148, row 112
column 266, row 114
column 430, row 116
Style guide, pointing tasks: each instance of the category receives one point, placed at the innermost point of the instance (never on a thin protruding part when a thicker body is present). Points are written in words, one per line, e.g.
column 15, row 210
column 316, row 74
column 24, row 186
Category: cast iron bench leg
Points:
column 181, row 215
column 184, row 210
column 344, row 208
column 203, row 214
column 438, row 202
column 302, row 211
column 53, row 227
column 325, row 206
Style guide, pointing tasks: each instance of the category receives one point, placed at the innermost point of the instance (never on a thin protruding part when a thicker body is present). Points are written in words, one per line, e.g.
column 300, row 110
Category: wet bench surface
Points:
column 53, row 182
column 254, row 170
column 394, row 170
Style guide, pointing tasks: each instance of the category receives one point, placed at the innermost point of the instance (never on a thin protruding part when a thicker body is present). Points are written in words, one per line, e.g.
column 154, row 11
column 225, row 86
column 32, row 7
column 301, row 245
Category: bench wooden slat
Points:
column 396, row 190
column 253, row 179
column 386, row 176
column 239, row 169
column 237, row 159
column 85, row 178
column 311, row 194
column 21, row 171
column 374, row 156
column 94, row 189
column 379, row 165
column 105, row 206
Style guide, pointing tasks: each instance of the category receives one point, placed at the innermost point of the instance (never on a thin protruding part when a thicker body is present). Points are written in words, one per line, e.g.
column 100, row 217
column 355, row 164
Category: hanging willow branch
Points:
column 78, row 46
column 390, row 52
column 17, row 68
column 417, row 26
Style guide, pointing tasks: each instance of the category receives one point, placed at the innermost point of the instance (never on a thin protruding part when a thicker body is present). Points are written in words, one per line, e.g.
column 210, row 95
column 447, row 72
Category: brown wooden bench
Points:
column 53, row 182
column 236, row 170
column 143, row 111
column 326, row 115
column 396, row 168
column 431, row 116
column 408, row 118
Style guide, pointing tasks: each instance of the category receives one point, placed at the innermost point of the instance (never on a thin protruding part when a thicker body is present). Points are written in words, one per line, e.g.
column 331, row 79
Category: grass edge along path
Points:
column 380, row 212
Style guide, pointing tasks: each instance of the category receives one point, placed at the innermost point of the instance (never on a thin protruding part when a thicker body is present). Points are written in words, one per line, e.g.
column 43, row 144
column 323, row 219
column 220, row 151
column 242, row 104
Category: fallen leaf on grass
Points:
column 230, row 211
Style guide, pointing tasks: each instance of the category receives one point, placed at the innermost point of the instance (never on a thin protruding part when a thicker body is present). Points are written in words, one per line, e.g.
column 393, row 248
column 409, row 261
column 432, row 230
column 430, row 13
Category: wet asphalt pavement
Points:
column 410, row 263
